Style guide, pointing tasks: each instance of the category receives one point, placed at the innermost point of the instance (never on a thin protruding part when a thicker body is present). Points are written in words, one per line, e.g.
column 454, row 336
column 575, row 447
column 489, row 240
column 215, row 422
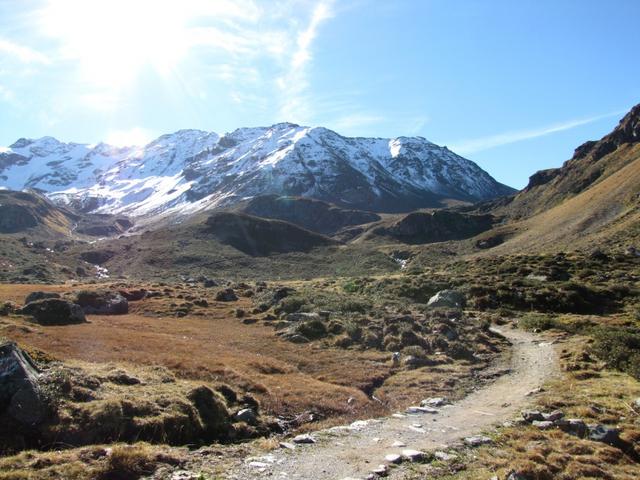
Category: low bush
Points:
column 619, row 347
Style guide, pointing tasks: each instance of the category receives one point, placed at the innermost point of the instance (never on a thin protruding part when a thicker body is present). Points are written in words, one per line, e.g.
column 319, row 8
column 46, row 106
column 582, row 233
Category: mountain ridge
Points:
column 192, row 170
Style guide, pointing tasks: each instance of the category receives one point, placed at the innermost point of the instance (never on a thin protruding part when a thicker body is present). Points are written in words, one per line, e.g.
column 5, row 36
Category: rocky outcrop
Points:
column 259, row 237
column 97, row 257
column 20, row 398
column 16, row 218
column 437, row 226
column 447, row 299
column 308, row 213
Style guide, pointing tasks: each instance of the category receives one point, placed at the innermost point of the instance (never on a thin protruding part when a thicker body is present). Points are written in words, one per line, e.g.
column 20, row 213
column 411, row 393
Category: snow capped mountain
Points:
column 192, row 170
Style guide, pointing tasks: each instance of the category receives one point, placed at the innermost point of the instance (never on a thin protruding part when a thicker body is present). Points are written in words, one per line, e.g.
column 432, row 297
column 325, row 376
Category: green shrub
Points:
column 312, row 329
column 290, row 305
column 539, row 322
column 619, row 347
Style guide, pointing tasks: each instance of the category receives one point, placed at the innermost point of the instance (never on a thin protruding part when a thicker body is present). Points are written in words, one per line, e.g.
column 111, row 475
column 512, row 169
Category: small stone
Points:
column 532, row 415
column 444, row 456
column 184, row 475
column 553, row 416
column 543, row 424
column 534, row 391
column 398, row 444
column 412, row 455
column 287, row 445
column 381, row 470
column 304, row 438
column 477, row 440
column 419, row 410
column 393, row 458
column 434, row 402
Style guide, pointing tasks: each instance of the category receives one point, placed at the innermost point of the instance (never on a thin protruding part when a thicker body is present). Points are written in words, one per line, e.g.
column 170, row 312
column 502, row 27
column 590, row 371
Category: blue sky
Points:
column 512, row 85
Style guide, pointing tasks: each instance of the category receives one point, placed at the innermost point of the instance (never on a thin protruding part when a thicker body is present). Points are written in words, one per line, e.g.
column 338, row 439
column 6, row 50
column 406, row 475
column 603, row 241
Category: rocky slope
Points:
column 314, row 215
column 592, row 200
column 191, row 170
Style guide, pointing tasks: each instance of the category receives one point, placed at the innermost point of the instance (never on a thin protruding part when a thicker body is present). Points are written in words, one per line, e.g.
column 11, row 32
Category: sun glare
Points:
column 113, row 40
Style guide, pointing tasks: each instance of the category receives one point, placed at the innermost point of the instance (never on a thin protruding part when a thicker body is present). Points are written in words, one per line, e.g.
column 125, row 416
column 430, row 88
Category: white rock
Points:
column 434, row 402
column 413, row 455
column 419, row 410
column 444, row 456
column 381, row 470
column 477, row 440
column 304, row 438
column 393, row 458
column 398, row 444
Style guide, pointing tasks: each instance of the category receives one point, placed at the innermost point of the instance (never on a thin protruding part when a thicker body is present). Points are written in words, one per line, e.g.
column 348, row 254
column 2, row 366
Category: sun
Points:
column 112, row 41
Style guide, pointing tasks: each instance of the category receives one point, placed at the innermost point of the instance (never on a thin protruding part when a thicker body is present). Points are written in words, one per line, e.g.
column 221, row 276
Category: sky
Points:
column 513, row 86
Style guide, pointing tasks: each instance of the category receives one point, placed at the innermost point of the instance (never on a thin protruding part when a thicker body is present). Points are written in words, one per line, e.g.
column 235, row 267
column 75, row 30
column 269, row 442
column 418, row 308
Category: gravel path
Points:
column 353, row 451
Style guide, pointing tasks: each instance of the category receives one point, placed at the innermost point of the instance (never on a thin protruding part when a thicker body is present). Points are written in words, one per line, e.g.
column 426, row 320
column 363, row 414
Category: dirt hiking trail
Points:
column 352, row 452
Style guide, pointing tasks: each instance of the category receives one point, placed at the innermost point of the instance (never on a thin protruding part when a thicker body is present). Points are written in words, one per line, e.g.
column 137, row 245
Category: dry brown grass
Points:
column 115, row 462
column 211, row 345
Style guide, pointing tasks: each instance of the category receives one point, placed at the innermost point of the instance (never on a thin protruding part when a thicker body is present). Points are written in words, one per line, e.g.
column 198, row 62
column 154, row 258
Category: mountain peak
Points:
column 193, row 170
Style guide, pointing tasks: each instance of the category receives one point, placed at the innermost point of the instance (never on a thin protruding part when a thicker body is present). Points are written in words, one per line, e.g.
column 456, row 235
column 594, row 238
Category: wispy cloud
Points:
column 22, row 53
column 466, row 147
column 294, row 83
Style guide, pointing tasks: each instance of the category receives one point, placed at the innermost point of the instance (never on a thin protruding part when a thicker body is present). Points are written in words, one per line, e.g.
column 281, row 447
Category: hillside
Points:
column 591, row 200
column 308, row 213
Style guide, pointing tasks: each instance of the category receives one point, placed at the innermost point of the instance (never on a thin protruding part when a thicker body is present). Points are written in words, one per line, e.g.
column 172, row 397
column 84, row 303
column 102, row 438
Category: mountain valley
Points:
column 223, row 306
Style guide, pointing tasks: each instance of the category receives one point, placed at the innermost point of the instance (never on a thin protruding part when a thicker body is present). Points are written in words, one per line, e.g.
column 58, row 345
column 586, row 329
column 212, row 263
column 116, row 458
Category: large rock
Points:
column 54, row 311
column 608, row 435
column 226, row 295
column 20, row 398
column 448, row 299
column 38, row 295
column 102, row 303
column 301, row 317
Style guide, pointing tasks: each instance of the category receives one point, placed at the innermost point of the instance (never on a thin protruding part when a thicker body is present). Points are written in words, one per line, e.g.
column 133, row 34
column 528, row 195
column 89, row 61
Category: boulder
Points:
column 54, row 311
column 102, row 303
column 532, row 416
column 247, row 415
column 226, row 295
column 302, row 316
column 33, row 296
column 393, row 458
column 608, row 435
column 447, row 299
column 304, row 438
column 20, row 397
column 413, row 455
